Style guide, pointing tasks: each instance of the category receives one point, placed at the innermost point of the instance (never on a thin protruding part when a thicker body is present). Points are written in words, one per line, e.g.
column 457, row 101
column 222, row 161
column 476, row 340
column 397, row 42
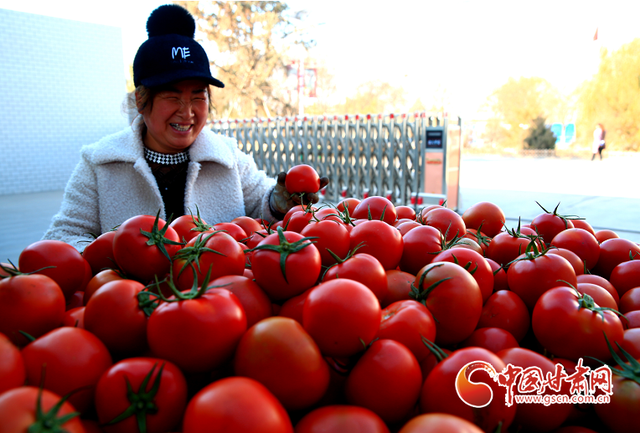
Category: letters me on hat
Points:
column 171, row 54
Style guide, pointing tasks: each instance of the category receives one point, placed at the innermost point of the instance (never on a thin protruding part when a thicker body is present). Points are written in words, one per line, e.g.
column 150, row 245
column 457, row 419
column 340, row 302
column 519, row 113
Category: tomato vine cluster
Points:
column 354, row 317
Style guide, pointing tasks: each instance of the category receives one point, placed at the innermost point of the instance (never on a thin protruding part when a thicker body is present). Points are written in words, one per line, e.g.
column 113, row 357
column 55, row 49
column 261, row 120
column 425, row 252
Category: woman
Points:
column 598, row 141
column 167, row 160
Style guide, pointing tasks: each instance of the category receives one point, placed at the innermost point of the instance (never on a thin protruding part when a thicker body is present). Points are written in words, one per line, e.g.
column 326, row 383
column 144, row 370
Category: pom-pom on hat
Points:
column 171, row 53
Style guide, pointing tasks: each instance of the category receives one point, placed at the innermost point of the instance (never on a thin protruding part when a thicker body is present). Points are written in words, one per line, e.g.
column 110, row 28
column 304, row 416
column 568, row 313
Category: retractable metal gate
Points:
column 385, row 155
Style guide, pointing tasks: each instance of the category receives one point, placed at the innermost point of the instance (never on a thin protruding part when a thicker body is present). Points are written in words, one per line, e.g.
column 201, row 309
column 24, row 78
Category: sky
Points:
column 456, row 51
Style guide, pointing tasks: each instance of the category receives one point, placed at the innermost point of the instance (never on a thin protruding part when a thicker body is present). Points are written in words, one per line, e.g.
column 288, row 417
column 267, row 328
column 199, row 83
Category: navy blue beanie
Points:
column 171, row 53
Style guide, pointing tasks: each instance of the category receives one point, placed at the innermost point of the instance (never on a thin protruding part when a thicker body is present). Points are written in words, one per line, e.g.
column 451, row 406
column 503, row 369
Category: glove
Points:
column 281, row 200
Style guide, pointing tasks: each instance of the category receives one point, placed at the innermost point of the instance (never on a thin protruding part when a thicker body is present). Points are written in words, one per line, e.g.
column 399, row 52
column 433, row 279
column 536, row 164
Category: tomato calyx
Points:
column 13, row 270
column 50, row 422
column 629, row 368
column 586, row 301
column 157, row 237
column 191, row 255
column 199, row 226
column 141, row 401
column 285, row 248
column 339, row 260
column 421, row 296
column 434, row 349
column 564, row 218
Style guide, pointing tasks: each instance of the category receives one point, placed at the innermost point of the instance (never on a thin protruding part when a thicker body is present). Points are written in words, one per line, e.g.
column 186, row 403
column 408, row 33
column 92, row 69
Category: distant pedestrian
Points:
column 598, row 141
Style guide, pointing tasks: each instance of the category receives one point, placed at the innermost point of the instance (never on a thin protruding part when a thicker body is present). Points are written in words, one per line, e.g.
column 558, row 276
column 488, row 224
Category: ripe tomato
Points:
column 505, row 309
column 285, row 264
column 569, row 325
column 408, row 322
column 280, row 354
column 302, row 178
column 348, row 204
column 626, row 276
column 64, row 373
column 254, row 300
column 420, row 246
column 500, row 281
column 144, row 246
column 342, row 316
column 600, row 281
column 67, row 266
column 603, row 235
column 341, row 419
column 447, row 221
column 30, row 303
column 74, row 317
column 150, row 389
column 379, row 239
column 99, row 280
column 365, row 269
column 113, row 314
column 375, row 208
column 211, row 253
column 485, row 216
column 189, row 226
column 330, row 235
column 599, row 295
column 399, row 283
column 406, row 212
column 474, row 263
column 386, row 380
column 630, row 301
column 189, row 332
column 236, row 404
column 22, row 409
column 292, row 307
column 453, row 298
column 549, row 224
column 248, row 224
column 446, row 400
column 612, row 253
column 576, row 263
column 99, row 253
column 232, row 229
column 12, row 372
column 492, row 339
column 439, row 422
column 581, row 242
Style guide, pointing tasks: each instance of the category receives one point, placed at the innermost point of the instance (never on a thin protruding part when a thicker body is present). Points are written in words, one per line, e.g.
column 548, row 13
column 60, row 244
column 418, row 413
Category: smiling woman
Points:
column 167, row 162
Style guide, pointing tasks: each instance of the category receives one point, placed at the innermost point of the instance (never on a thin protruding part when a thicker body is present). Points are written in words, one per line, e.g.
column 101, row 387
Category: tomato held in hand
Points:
column 302, row 178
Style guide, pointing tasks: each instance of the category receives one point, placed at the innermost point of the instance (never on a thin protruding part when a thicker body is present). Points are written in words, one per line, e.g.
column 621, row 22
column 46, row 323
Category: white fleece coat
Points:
column 113, row 182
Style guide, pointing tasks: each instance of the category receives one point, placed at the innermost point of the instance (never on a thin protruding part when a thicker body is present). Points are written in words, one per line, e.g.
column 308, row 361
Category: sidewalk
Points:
column 602, row 192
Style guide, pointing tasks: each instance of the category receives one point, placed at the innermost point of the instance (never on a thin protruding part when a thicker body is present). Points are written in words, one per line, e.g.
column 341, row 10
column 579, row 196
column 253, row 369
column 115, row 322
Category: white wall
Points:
column 61, row 86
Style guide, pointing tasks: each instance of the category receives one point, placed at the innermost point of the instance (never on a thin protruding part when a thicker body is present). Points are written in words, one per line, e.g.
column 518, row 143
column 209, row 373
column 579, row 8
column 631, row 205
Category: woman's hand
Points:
column 281, row 200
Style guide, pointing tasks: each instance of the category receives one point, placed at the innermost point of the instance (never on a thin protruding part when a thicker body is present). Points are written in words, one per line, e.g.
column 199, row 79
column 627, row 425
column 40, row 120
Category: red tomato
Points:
column 329, row 236
column 188, row 332
column 12, row 372
column 21, row 408
column 248, row 224
column 576, row 263
column 144, row 246
column 342, row 316
column 536, row 417
column 406, row 212
column 447, row 221
column 474, row 263
column 583, row 224
column 302, row 178
column 446, row 400
column 348, row 204
column 381, row 240
column 631, row 319
column 453, row 298
column 630, row 301
column 485, row 216
column 74, row 317
column 341, row 419
column 599, row 295
column 408, row 322
column 99, row 280
column 278, row 353
column 232, row 229
column 507, row 245
column 612, row 253
column 189, row 226
column 298, row 220
column 504, row 309
column 375, row 208
column 285, row 264
column 99, row 253
column 419, row 248
column 212, row 253
column 492, row 339
column 600, row 281
column 254, row 300
column 30, row 303
column 67, row 266
column 64, row 373
column 399, row 284
column 365, row 269
column 386, row 380
column 626, row 276
column 480, row 238
column 151, row 389
column 549, row 224
column 236, row 404
column 292, row 307
column 406, row 226
column 603, row 235
column 631, row 342
column 534, row 274
column 437, row 423
column 581, row 242
column 113, row 314
column 500, row 281
column 570, row 326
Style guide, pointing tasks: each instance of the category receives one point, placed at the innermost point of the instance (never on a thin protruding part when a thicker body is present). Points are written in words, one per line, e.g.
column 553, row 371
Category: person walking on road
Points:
column 598, row 141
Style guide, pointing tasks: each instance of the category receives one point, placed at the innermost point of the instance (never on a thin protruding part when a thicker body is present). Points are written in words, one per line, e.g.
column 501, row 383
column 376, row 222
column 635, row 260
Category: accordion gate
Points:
column 362, row 155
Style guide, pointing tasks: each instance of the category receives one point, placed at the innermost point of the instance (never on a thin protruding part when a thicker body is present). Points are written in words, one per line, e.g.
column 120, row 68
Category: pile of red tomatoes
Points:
column 358, row 317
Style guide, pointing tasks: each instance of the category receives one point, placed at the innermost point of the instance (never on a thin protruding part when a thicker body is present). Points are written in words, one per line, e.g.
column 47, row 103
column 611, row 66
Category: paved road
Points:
column 606, row 193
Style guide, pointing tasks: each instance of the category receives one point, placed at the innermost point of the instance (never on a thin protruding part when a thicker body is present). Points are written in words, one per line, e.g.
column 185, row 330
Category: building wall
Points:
column 62, row 86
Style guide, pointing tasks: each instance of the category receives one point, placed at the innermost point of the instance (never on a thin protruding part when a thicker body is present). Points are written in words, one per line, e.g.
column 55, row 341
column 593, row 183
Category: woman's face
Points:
column 176, row 116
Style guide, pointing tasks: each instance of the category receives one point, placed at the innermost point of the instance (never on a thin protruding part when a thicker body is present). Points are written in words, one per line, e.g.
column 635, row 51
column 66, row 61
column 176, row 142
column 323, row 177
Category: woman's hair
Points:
column 142, row 96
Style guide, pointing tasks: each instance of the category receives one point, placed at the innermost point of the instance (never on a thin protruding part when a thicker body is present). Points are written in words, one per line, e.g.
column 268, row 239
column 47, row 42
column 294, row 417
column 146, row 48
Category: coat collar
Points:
column 127, row 146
